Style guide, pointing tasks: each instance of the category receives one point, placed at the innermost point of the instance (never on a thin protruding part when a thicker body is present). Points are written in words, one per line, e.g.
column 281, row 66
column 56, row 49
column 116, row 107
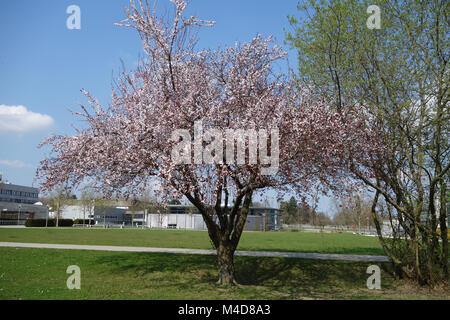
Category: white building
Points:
column 73, row 212
column 174, row 217
column 175, row 221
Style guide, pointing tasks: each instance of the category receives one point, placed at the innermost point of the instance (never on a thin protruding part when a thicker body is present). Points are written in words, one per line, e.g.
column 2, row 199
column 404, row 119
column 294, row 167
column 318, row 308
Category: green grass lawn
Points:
column 269, row 241
column 41, row 274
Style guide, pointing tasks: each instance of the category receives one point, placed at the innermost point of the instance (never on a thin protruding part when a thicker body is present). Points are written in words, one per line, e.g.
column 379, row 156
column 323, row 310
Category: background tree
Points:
column 353, row 210
column 143, row 204
column 305, row 214
column 322, row 219
column 289, row 211
column 302, row 212
column 398, row 75
column 57, row 200
column 87, row 200
column 130, row 144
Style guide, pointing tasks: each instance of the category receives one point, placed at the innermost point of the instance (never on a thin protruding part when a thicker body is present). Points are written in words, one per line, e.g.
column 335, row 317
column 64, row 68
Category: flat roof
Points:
column 17, row 187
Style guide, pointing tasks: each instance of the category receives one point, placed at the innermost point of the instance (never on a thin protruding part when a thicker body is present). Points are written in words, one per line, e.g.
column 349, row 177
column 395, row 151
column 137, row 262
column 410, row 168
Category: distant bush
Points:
column 86, row 221
column 39, row 223
column 50, row 223
column 65, row 222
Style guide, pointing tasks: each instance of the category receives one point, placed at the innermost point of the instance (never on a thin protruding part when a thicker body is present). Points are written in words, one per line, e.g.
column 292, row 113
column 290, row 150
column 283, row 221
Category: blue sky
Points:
column 43, row 64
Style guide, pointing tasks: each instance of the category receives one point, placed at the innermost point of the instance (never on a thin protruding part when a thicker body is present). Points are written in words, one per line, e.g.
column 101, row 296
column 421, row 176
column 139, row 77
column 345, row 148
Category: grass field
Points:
column 268, row 241
column 41, row 274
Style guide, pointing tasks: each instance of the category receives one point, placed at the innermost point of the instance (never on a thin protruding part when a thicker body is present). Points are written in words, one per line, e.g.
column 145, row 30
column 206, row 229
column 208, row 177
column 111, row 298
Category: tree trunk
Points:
column 57, row 214
column 225, row 258
column 225, row 236
column 443, row 227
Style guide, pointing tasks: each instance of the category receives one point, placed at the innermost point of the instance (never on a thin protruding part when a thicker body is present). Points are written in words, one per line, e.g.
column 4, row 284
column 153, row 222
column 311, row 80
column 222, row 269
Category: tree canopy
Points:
column 399, row 74
column 173, row 117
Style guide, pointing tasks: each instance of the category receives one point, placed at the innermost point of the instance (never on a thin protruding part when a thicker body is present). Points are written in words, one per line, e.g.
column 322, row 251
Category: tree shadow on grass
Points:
column 167, row 273
column 333, row 250
column 288, row 276
column 145, row 263
column 306, row 277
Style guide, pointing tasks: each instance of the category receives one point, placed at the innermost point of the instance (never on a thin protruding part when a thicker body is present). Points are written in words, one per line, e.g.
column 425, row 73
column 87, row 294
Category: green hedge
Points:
column 86, row 221
column 50, row 223
column 39, row 223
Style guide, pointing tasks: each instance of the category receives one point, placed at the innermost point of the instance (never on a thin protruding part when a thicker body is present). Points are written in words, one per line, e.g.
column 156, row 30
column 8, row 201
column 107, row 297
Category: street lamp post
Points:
column 18, row 216
column 46, row 218
column 359, row 223
column 91, row 210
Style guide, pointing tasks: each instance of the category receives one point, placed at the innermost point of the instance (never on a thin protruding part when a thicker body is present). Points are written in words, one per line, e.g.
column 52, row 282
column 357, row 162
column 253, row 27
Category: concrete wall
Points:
column 195, row 222
column 181, row 221
column 73, row 212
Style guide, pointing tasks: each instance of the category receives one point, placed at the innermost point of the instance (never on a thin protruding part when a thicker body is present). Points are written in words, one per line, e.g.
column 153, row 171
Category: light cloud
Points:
column 20, row 119
column 15, row 164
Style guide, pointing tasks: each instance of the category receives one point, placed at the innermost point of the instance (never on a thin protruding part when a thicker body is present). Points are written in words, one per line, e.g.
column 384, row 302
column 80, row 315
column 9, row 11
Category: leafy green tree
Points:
column 289, row 211
column 399, row 75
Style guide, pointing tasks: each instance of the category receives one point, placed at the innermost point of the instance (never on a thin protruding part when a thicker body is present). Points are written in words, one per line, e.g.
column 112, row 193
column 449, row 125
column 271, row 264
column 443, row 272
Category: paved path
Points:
column 298, row 255
column 12, row 226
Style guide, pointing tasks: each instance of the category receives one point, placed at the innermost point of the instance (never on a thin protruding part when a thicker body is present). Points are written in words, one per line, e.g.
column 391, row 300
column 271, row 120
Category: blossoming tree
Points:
column 293, row 139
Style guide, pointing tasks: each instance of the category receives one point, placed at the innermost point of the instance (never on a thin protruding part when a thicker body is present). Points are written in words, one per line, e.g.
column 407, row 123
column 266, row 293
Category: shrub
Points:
column 39, row 223
column 65, row 222
column 86, row 221
column 50, row 223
